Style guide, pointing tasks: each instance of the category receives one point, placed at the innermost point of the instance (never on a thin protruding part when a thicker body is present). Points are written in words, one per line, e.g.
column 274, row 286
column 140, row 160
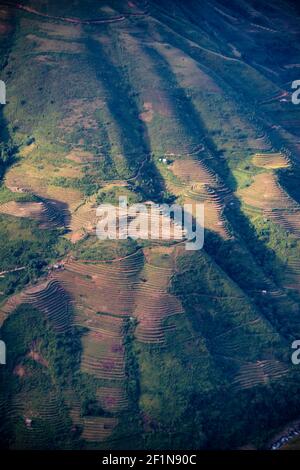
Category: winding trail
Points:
column 113, row 19
column 2, row 274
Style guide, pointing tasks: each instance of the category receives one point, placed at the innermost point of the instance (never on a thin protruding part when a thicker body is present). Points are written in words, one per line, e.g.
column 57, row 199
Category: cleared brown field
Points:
column 266, row 193
column 193, row 172
column 148, row 113
column 60, row 206
column 44, row 213
column 271, row 161
column 27, row 178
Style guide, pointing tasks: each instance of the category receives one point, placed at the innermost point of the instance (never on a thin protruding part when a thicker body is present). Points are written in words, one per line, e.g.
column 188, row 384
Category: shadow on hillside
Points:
column 4, row 134
column 247, row 240
column 7, row 149
column 191, row 121
column 133, row 134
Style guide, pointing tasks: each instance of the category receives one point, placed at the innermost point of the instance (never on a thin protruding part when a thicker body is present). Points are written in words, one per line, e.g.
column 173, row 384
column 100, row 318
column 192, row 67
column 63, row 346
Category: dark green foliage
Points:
column 181, row 394
column 7, row 156
column 42, row 380
column 23, row 244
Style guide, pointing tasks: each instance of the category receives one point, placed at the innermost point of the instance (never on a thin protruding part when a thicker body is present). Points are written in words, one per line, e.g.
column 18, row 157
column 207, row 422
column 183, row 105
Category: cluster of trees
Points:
column 7, row 156
column 227, row 417
column 34, row 254
column 25, row 330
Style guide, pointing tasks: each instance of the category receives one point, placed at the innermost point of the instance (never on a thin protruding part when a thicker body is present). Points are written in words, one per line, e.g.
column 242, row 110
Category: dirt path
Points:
column 2, row 274
column 113, row 19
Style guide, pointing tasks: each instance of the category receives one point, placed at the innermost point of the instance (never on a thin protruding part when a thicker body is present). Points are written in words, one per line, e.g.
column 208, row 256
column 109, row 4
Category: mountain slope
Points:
column 141, row 344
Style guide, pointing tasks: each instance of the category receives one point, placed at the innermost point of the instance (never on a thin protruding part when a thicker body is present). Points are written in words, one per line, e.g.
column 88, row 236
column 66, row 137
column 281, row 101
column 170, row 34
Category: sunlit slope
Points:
column 186, row 102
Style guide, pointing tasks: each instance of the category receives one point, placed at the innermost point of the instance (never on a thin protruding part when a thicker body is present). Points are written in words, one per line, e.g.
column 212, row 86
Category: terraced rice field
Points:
column 112, row 399
column 98, row 429
column 48, row 414
column 268, row 196
column 46, row 214
column 131, row 287
column 103, row 355
column 259, row 373
column 198, row 184
column 50, row 298
column 143, row 342
column 271, row 161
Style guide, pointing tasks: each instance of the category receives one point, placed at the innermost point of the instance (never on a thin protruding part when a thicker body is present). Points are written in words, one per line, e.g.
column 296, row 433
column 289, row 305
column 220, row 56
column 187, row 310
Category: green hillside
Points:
column 142, row 344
